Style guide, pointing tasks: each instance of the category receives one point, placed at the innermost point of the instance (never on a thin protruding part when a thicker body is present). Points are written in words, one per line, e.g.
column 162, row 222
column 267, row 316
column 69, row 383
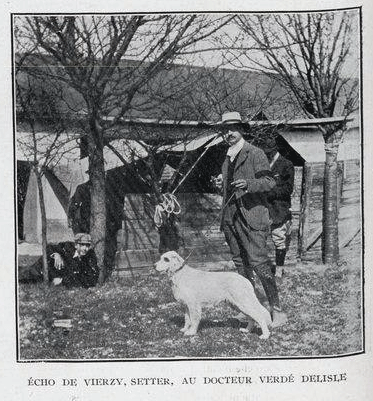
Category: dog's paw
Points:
column 264, row 336
column 190, row 333
column 279, row 272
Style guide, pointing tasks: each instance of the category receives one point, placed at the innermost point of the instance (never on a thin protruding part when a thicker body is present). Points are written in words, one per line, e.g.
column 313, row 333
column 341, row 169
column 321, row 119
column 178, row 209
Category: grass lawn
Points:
column 139, row 318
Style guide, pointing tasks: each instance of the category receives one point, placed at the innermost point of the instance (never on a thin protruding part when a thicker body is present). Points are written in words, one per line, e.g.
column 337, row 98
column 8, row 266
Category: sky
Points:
column 231, row 32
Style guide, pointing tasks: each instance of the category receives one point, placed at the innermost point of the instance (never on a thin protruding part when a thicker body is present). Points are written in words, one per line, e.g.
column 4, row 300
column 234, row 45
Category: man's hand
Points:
column 57, row 281
column 217, row 182
column 240, row 184
column 58, row 261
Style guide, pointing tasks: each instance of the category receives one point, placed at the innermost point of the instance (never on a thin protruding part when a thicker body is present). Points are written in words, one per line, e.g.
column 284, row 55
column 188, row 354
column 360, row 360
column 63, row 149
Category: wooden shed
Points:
column 299, row 140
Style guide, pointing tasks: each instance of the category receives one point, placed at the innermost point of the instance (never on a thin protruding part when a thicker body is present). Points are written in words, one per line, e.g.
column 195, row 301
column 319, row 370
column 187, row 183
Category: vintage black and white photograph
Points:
column 188, row 185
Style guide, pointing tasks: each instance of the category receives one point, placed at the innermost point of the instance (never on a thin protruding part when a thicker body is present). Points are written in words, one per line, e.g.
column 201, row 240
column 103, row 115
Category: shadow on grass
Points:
column 209, row 324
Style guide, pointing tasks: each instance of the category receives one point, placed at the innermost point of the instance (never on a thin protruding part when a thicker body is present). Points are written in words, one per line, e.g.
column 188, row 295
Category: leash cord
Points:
column 169, row 203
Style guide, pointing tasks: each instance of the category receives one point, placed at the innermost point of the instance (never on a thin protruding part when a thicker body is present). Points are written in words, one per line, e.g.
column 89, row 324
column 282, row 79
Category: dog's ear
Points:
column 177, row 257
column 176, row 260
column 167, row 256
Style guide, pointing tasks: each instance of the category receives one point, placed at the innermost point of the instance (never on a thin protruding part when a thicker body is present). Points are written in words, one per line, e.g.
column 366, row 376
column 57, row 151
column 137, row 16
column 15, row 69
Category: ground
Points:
column 139, row 318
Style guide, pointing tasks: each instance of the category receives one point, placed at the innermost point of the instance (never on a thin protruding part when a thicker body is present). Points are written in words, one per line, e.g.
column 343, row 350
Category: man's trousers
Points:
column 250, row 253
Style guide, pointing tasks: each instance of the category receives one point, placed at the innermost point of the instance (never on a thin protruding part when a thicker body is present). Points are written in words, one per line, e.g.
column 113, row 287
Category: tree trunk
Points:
column 304, row 217
column 43, row 226
column 330, row 245
column 98, row 194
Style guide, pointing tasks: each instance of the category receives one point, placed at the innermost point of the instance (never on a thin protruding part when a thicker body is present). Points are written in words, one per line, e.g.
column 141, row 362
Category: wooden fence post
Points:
column 304, row 216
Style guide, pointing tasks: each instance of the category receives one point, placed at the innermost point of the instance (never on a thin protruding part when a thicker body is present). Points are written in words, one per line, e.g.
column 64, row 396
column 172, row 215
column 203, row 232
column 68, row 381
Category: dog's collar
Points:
column 181, row 266
column 184, row 262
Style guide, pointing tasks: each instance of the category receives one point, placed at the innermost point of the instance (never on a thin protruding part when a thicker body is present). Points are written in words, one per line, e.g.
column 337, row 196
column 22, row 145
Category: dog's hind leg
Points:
column 195, row 312
column 263, row 325
column 256, row 312
column 187, row 321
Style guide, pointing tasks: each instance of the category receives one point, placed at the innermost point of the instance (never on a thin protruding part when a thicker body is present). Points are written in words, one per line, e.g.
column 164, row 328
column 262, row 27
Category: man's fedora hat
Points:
column 82, row 238
column 231, row 117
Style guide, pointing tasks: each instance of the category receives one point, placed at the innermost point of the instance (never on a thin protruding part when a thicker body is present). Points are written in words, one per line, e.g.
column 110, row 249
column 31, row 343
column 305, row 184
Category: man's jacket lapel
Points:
column 242, row 155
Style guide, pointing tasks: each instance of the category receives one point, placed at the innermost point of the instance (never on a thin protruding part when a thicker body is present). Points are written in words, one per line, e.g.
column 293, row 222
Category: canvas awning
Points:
column 64, row 155
column 189, row 146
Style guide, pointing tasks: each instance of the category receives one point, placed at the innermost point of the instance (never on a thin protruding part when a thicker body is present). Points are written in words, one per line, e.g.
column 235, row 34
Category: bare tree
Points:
column 310, row 53
column 190, row 99
column 105, row 62
column 37, row 109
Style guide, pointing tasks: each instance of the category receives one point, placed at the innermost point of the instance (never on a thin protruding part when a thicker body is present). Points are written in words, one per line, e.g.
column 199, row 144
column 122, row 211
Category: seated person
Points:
column 73, row 264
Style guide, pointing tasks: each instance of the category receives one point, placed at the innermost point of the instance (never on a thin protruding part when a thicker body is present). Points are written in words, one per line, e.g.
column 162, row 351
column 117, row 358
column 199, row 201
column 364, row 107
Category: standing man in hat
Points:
column 279, row 202
column 73, row 264
column 245, row 179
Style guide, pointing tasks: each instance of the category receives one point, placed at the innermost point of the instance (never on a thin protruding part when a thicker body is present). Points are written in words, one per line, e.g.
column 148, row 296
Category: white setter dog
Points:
column 195, row 289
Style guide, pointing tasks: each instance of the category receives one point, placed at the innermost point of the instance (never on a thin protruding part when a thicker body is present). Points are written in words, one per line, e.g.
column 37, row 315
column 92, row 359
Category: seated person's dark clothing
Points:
column 78, row 271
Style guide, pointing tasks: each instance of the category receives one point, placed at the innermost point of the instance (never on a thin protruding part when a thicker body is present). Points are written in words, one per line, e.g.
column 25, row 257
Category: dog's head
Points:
column 169, row 262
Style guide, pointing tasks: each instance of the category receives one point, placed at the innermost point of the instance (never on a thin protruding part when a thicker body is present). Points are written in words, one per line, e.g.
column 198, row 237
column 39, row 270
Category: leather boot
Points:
column 280, row 260
column 248, row 273
column 266, row 277
column 280, row 257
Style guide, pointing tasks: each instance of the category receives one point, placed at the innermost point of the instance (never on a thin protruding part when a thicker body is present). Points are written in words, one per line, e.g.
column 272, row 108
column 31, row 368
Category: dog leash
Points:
column 194, row 164
column 169, row 202
column 184, row 262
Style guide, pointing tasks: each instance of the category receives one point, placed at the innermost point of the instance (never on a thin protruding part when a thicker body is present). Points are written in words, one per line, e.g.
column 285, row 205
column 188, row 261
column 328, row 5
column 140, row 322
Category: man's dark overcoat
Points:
column 251, row 165
column 279, row 198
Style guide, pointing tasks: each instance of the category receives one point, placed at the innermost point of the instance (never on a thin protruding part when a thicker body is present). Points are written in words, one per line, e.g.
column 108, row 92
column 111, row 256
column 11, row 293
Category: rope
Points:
column 194, row 164
column 169, row 205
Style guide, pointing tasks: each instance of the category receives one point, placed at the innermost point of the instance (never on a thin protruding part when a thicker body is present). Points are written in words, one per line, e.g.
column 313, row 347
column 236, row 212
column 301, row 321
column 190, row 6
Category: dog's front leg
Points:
column 195, row 312
column 187, row 321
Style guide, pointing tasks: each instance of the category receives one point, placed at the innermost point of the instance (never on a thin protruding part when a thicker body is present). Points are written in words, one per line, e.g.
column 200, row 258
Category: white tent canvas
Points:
column 58, row 229
column 64, row 160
